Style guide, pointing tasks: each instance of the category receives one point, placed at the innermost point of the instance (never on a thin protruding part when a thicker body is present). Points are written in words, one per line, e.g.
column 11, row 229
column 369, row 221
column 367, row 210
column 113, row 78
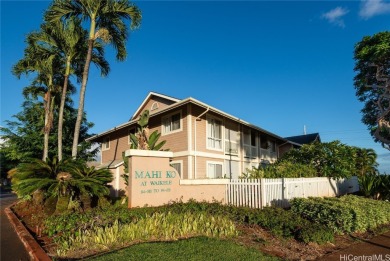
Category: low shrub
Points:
column 286, row 224
column 315, row 233
column 155, row 227
column 345, row 214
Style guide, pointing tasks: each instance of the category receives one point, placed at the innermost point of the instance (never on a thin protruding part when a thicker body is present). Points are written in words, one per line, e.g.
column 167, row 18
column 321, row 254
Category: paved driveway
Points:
column 12, row 249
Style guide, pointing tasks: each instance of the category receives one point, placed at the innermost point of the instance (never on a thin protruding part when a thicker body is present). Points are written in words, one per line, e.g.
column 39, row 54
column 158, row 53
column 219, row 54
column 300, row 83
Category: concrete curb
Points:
column 33, row 248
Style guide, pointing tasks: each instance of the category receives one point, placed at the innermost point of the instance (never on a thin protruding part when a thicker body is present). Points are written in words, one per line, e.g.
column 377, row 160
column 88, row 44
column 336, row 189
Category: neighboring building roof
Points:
column 180, row 103
column 305, row 139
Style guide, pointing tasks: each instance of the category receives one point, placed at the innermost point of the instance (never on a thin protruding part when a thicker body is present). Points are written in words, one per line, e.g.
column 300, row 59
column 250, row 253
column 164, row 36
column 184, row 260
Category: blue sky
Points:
column 279, row 65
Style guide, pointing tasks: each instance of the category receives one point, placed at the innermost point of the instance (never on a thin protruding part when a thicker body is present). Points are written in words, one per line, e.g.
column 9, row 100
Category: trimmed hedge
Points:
column 345, row 214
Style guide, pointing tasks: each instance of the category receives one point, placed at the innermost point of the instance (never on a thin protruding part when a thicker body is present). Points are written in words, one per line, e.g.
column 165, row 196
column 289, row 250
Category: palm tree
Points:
column 43, row 61
column 62, row 179
column 92, row 179
column 366, row 161
column 107, row 23
column 69, row 41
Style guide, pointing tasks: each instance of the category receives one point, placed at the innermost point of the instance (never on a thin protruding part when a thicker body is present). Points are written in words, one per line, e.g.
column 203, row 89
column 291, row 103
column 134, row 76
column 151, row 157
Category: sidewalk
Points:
column 11, row 246
column 378, row 248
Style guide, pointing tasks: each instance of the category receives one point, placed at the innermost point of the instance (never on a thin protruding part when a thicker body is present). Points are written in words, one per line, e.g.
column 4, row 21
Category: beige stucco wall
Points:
column 118, row 187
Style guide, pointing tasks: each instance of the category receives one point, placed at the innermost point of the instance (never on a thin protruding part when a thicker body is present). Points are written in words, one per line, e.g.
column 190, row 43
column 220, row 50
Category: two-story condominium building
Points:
column 206, row 142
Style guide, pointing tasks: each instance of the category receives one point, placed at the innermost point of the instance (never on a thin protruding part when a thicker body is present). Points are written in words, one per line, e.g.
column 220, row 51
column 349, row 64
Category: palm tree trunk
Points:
column 61, row 111
column 47, row 102
column 80, row 111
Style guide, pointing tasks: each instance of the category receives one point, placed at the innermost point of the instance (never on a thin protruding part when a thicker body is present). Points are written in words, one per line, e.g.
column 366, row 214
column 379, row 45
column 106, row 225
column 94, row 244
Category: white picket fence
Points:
column 257, row 193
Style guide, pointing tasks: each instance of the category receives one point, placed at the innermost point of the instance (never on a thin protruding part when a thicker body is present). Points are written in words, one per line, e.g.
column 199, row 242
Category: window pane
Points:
column 167, row 125
column 218, row 144
column 218, row 129
column 218, row 171
column 177, row 167
column 176, row 121
column 210, row 170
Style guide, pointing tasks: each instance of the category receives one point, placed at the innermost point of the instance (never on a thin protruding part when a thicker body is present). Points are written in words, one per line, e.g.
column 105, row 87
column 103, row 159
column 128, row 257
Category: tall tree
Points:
column 69, row 41
column 23, row 136
column 372, row 84
column 43, row 61
column 106, row 23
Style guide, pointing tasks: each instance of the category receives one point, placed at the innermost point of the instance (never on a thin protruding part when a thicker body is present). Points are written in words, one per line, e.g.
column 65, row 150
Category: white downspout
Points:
column 195, row 151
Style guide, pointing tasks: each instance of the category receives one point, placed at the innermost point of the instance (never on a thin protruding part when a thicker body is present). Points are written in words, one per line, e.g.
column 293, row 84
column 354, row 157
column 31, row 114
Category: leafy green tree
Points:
column 372, row 84
column 23, row 136
column 333, row 159
column 106, row 23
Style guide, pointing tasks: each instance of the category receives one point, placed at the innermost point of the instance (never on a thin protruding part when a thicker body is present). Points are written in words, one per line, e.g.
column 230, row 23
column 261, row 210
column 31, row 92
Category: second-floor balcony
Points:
column 267, row 154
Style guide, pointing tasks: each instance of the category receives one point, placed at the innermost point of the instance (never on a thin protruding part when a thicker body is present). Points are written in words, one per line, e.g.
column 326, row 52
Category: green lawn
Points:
column 200, row 248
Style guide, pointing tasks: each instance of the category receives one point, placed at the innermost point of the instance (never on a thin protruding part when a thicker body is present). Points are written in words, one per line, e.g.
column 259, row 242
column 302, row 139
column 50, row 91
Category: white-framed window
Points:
column 131, row 131
column 214, row 169
column 154, row 106
column 106, row 143
column 172, row 123
column 178, row 166
column 214, row 134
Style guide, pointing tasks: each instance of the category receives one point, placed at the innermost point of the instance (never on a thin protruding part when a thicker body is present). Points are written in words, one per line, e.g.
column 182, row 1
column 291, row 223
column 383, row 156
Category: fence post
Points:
column 263, row 193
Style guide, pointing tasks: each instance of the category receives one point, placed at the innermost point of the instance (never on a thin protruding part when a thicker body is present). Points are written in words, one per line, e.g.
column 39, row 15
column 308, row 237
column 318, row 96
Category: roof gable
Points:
column 154, row 102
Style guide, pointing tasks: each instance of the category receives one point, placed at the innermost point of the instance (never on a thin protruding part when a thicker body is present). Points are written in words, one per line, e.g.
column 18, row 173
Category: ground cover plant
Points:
column 114, row 227
column 345, row 214
column 156, row 227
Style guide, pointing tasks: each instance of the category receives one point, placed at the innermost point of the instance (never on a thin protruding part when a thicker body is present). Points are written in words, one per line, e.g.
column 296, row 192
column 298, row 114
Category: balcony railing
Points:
column 231, row 148
column 250, row 151
column 267, row 154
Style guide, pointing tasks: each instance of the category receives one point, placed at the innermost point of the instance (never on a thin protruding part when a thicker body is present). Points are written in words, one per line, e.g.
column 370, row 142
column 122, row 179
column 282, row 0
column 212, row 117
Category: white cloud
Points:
column 370, row 8
column 335, row 16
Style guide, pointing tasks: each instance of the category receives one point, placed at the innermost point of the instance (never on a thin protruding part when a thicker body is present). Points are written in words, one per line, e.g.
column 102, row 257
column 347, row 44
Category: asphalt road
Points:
column 12, row 249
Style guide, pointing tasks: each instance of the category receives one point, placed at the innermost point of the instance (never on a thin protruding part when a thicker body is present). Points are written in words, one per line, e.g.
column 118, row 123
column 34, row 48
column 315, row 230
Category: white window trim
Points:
column 216, row 163
column 222, row 133
column 109, row 143
column 163, row 133
column 128, row 137
column 181, row 166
